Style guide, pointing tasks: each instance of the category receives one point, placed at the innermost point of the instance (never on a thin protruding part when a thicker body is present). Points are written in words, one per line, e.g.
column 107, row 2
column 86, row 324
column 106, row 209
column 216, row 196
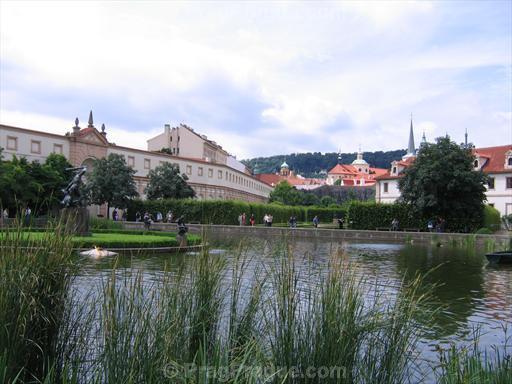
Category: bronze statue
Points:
column 72, row 194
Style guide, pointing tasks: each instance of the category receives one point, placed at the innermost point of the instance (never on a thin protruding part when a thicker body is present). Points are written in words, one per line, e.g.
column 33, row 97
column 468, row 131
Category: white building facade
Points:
column 209, row 179
column 495, row 162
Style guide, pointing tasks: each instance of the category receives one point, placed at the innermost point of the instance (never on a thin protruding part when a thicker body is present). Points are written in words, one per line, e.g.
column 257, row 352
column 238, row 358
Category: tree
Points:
column 111, row 181
column 286, row 194
column 443, row 183
column 165, row 182
column 32, row 183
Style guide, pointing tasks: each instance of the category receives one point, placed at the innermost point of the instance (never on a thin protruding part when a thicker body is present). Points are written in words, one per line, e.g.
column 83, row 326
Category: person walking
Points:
column 252, row 220
column 137, row 217
column 115, row 215
column 315, row 221
column 269, row 220
column 169, row 216
column 243, row 219
column 147, row 221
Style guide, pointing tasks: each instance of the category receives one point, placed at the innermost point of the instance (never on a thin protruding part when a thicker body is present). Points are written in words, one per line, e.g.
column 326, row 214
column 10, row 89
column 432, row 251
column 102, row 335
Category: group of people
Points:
column 267, row 220
column 436, row 225
column 157, row 219
column 115, row 215
column 242, row 219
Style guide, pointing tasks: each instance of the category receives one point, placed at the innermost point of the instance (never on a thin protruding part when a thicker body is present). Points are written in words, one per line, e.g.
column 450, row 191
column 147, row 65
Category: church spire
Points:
column 91, row 123
column 411, row 151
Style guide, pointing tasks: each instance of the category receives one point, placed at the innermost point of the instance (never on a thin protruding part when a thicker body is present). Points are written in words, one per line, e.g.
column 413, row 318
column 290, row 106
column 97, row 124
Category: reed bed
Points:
column 210, row 321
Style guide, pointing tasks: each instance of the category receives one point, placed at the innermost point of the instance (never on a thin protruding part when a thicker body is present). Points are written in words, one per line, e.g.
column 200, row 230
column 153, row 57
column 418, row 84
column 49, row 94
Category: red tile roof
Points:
column 273, row 179
column 494, row 164
column 496, row 158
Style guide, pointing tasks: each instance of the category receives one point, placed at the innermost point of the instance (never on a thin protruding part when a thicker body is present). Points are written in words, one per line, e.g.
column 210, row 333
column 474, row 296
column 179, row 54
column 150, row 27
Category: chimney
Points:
column 167, row 128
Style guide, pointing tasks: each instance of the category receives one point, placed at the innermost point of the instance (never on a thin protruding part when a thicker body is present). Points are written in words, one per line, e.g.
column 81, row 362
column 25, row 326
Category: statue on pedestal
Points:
column 74, row 213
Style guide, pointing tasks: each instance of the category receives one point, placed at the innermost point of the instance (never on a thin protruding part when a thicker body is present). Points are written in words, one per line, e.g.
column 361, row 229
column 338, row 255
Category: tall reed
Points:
column 35, row 275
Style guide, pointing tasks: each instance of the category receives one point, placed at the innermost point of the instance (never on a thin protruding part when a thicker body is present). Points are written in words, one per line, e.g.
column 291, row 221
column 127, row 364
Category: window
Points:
column 171, row 139
column 131, row 161
column 219, row 174
column 189, row 169
column 178, row 138
column 491, row 205
column 57, row 148
column 386, row 187
column 394, row 170
column 210, row 172
column 509, row 182
column 177, row 151
column 509, row 161
column 200, row 171
column 147, row 164
column 475, row 164
column 490, row 183
column 12, row 143
column 35, row 146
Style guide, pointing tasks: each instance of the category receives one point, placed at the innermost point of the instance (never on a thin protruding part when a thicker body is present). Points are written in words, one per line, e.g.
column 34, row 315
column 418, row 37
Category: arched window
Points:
column 394, row 169
column 475, row 164
column 510, row 161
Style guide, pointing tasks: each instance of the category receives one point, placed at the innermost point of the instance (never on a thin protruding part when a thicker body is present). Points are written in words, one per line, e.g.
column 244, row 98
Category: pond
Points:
column 468, row 294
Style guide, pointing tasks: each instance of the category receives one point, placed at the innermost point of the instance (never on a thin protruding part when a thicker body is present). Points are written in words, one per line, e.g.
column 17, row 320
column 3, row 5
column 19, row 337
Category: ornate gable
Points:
column 91, row 135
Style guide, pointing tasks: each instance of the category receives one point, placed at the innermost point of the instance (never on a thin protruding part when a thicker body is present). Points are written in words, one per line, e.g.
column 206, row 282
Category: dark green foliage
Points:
column 165, row 182
column 312, row 164
column 34, row 184
column 484, row 231
column 111, row 181
column 442, row 183
column 343, row 194
column 491, row 218
column 373, row 215
column 285, row 194
column 227, row 211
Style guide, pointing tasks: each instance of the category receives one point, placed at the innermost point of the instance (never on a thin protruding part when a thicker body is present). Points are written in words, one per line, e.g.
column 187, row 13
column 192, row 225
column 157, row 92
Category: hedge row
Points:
column 227, row 211
column 369, row 216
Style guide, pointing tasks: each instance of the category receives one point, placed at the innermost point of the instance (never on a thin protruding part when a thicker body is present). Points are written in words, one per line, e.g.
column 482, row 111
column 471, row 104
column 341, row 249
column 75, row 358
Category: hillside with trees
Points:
column 315, row 164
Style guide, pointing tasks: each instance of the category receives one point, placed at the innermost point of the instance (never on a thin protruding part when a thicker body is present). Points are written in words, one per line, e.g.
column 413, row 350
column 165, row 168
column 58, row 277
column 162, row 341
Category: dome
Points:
column 284, row 165
column 359, row 162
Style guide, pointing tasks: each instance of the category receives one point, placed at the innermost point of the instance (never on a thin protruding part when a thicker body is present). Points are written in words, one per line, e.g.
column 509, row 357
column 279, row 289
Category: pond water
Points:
column 471, row 294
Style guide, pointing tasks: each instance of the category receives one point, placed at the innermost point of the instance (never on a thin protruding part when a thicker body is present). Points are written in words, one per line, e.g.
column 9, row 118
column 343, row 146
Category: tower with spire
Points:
column 411, row 150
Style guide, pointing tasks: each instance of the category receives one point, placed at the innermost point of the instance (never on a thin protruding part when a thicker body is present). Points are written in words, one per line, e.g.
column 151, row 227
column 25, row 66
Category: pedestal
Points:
column 75, row 221
column 182, row 240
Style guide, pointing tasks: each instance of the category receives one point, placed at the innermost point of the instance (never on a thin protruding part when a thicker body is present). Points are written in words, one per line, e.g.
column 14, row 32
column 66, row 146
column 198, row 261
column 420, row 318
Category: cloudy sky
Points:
column 261, row 78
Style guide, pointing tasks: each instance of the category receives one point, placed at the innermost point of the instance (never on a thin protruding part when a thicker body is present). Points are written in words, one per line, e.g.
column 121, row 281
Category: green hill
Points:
column 315, row 164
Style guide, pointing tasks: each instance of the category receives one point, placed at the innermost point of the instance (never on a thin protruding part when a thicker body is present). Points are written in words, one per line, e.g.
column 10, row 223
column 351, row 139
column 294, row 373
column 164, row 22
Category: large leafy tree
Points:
column 38, row 185
column 111, row 182
column 443, row 183
column 286, row 194
column 166, row 182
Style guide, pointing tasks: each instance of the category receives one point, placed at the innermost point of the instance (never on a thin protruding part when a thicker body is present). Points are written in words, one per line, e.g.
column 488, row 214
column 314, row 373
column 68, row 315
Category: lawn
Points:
column 120, row 240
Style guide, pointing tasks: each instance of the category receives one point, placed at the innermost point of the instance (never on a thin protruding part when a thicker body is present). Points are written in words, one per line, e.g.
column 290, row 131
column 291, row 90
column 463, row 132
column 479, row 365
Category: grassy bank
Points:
column 125, row 239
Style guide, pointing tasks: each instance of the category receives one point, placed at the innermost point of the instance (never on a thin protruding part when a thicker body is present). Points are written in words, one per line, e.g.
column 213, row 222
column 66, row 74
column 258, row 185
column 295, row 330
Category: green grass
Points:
column 115, row 240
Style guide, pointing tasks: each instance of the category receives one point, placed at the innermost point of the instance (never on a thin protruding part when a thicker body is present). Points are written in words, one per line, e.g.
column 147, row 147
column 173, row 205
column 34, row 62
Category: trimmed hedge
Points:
column 370, row 216
column 227, row 211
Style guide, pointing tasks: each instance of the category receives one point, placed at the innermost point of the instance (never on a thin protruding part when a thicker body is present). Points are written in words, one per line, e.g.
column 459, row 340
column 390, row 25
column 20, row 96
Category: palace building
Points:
column 495, row 162
column 212, row 172
column 358, row 173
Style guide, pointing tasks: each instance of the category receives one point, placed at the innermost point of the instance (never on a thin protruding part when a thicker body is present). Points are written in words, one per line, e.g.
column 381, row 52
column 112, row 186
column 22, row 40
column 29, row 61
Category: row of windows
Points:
column 231, row 177
column 35, row 146
column 490, row 184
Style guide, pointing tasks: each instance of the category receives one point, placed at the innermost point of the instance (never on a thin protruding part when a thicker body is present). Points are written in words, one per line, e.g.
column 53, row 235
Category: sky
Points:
column 262, row 78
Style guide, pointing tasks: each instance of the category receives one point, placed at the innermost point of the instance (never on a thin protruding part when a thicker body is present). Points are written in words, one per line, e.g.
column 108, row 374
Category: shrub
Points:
column 484, row 231
column 365, row 215
column 491, row 218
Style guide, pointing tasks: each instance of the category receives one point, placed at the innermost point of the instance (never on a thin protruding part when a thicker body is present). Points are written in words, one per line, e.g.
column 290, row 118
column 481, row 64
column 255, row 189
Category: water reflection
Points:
column 468, row 292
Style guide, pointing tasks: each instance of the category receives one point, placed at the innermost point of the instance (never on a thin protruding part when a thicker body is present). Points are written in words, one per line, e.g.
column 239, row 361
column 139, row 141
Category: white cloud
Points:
column 309, row 64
